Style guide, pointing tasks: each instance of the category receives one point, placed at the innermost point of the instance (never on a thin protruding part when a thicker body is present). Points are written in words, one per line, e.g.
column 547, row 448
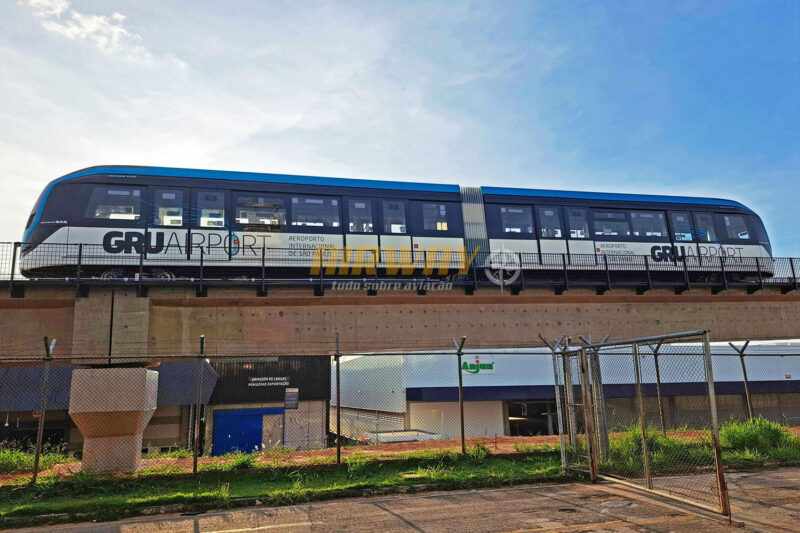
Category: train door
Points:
column 210, row 233
column 552, row 243
column 361, row 239
column 394, row 236
column 438, row 241
column 167, row 228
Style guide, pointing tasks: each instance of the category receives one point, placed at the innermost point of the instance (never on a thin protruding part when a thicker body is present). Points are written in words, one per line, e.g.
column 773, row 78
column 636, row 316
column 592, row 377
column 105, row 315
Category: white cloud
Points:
column 106, row 32
column 46, row 8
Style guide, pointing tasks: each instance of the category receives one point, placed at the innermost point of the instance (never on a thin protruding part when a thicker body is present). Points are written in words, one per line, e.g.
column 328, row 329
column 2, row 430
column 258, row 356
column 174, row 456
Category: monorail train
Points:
column 164, row 222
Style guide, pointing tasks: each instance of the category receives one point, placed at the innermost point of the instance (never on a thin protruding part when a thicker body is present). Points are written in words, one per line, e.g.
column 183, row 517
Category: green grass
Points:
column 757, row 434
column 15, row 460
column 752, row 444
column 85, row 497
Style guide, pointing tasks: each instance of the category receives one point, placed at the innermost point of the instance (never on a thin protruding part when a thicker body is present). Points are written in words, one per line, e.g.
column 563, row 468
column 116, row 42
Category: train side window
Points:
column 359, row 214
column 681, row 226
column 611, row 224
column 517, row 219
column 168, row 207
column 549, row 222
column 704, row 227
column 394, row 216
column 648, row 224
column 111, row 202
column 758, row 228
column 210, row 206
column 735, row 227
column 315, row 212
column 578, row 223
column 434, row 217
column 260, row 210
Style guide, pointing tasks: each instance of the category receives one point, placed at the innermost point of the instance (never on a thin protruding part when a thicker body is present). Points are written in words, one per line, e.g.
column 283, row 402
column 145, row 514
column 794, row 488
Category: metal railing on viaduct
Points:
column 143, row 265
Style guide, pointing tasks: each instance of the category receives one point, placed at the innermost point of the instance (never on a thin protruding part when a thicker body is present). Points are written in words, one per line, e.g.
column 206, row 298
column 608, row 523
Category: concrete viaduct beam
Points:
column 236, row 322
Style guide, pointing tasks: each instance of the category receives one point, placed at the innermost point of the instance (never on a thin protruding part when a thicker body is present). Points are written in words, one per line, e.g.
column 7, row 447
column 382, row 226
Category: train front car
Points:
column 120, row 221
column 545, row 233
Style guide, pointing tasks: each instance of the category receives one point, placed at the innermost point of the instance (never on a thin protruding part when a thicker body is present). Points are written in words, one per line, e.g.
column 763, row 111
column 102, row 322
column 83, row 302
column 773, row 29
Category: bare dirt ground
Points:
column 499, row 445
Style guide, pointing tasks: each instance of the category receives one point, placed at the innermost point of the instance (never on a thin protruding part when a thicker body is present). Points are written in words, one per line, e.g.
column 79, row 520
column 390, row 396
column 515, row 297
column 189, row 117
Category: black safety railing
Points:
column 144, row 265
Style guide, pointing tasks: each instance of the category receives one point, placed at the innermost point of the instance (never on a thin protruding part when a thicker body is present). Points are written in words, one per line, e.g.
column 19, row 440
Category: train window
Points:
column 210, row 207
column 168, row 207
column 758, row 228
column 115, row 203
column 260, row 210
column 681, row 226
column 648, row 224
column 704, row 227
column 549, row 222
column 735, row 227
column 517, row 219
column 611, row 224
column 359, row 214
column 394, row 216
column 315, row 212
column 434, row 217
column 578, row 223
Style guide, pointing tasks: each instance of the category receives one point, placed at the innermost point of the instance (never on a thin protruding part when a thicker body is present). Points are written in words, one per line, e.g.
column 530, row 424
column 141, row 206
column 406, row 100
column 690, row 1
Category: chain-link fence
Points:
column 647, row 415
column 641, row 411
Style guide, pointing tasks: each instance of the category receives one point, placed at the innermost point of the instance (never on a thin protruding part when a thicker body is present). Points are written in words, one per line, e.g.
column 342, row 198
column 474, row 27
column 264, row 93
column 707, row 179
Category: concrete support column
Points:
column 111, row 407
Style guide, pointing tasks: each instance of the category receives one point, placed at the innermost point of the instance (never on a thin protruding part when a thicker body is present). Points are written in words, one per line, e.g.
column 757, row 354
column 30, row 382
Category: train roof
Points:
column 395, row 185
column 290, row 179
column 612, row 197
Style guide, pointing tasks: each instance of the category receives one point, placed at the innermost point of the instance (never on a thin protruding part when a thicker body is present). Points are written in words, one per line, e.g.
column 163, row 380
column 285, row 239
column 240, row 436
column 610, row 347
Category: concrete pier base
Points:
column 111, row 407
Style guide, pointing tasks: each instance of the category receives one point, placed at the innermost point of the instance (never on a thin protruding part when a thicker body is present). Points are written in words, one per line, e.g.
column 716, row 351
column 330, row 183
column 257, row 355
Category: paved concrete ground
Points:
column 765, row 501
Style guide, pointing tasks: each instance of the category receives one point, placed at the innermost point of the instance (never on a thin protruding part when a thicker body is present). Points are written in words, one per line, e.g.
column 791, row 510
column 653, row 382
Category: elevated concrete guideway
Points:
column 236, row 322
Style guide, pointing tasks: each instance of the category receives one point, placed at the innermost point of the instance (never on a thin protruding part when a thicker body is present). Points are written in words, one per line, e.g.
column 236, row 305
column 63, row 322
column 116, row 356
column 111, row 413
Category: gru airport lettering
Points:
column 672, row 254
column 315, row 251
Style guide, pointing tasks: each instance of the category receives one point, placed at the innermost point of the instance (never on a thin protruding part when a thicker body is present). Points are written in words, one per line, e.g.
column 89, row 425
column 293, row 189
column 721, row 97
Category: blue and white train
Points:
column 165, row 221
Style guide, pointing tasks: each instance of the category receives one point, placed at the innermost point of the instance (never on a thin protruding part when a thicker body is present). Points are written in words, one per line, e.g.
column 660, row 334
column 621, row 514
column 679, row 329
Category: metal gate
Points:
column 643, row 412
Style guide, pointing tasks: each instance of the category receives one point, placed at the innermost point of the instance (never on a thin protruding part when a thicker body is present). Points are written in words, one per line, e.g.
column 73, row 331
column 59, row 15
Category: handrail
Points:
column 79, row 264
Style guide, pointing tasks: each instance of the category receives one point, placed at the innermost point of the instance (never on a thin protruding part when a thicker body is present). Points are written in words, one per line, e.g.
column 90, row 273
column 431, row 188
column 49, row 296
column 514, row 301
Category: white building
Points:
column 510, row 393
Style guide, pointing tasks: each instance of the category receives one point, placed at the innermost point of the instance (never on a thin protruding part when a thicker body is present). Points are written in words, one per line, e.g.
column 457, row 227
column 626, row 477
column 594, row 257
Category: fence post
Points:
column 569, row 397
column 747, row 398
column 263, row 270
column 559, row 411
column 642, row 417
column 337, row 358
column 197, row 401
column 14, row 250
column 49, row 346
column 658, row 389
column 588, row 413
column 459, row 351
column 599, row 401
column 559, row 414
column 202, row 270
column 722, row 487
column 78, row 267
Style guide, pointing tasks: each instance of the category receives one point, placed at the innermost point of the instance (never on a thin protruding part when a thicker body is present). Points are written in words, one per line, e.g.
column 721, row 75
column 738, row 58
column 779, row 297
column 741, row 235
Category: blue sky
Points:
column 678, row 97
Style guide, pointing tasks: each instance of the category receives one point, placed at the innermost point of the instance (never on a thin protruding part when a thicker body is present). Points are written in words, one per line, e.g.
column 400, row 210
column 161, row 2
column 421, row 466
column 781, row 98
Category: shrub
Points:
column 758, row 434
column 477, row 453
column 17, row 459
